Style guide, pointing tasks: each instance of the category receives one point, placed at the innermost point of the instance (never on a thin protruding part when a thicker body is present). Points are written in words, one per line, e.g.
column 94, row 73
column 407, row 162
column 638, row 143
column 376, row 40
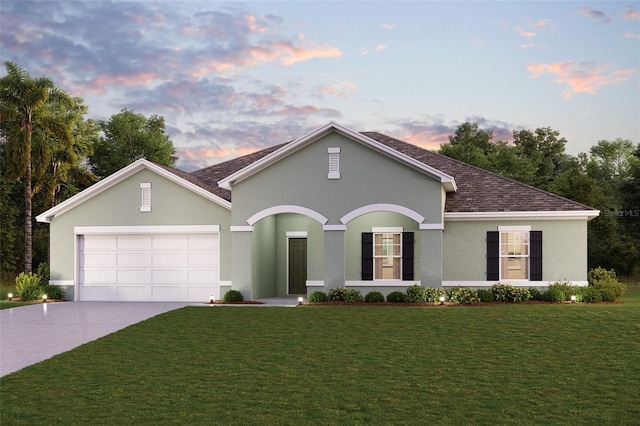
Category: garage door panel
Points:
column 156, row 267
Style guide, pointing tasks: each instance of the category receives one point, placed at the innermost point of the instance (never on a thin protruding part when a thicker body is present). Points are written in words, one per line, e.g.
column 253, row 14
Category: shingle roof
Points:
column 477, row 188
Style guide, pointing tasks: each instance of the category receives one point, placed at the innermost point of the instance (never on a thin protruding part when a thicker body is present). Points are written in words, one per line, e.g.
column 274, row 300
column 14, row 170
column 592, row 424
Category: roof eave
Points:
column 539, row 215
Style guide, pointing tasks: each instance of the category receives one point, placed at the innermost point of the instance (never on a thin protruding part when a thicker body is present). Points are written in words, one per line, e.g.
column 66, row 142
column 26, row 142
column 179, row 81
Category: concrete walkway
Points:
column 33, row 333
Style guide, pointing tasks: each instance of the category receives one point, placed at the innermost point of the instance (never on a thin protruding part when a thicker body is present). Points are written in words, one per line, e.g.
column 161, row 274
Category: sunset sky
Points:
column 233, row 77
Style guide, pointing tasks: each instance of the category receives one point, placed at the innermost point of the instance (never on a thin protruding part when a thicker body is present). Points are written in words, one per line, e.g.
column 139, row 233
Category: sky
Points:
column 230, row 78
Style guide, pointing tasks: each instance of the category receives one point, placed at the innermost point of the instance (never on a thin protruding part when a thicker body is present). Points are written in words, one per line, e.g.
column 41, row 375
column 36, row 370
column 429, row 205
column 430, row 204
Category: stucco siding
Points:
column 171, row 204
column 366, row 177
column 564, row 248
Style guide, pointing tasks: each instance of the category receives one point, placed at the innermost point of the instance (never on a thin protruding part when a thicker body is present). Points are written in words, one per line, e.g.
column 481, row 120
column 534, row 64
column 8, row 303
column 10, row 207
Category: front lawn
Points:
column 516, row 364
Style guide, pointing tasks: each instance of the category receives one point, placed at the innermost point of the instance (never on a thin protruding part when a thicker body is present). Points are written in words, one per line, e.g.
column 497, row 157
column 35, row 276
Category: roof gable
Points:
column 288, row 149
column 183, row 179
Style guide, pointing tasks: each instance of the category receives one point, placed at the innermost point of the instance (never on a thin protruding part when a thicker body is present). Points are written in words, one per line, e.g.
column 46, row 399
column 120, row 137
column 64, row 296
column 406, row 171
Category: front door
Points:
column 297, row 265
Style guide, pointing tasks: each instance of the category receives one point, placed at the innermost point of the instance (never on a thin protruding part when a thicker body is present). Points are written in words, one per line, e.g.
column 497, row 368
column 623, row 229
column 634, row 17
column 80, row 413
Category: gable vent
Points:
column 145, row 202
column 334, row 163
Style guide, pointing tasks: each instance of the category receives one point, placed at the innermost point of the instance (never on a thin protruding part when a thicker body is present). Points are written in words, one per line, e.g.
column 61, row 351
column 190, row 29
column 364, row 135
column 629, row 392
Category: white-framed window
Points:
column 334, row 163
column 387, row 253
column 145, row 197
column 514, row 252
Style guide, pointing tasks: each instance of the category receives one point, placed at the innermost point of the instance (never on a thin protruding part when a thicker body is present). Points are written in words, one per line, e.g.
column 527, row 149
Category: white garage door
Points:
column 148, row 267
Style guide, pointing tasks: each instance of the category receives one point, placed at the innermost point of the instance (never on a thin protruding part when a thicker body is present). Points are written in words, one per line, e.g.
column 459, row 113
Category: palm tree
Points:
column 24, row 106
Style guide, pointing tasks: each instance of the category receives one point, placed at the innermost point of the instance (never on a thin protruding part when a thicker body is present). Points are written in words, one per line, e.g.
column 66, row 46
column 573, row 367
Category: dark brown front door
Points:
column 297, row 265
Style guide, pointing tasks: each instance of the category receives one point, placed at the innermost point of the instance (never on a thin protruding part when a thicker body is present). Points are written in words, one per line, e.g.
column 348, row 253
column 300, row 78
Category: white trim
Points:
column 532, row 215
column 286, row 209
column 145, row 197
column 334, row 228
column 372, row 208
column 333, row 150
column 225, row 283
column 334, row 162
column 162, row 229
column 381, row 283
column 118, row 177
column 296, row 234
column 315, row 283
column 432, row 226
column 447, row 181
column 387, row 229
column 515, row 283
column 61, row 283
column 522, row 228
column 240, row 228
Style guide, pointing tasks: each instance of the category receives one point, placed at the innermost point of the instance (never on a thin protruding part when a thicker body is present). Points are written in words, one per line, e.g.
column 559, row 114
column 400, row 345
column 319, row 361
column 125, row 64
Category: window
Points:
column 334, row 163
column 514, row 253
column 387, row 255
column 145, row 202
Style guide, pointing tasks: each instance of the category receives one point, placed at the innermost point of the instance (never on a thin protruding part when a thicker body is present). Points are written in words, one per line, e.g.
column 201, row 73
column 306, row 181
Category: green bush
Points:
column 232, row 296
column 463, row 296
column 607, row 283
column 554, row 294
column 395, row 297
column 509, row 293
column 53, row 292
column 31, row 292
column 28, row 286
column 415, row 294
column 433, row 294
column 44, row 273
column 565, row 287
column 337, row 294
column 485, row 295
column 318, row 297
column 353, row 296
column 589, row 294
column 536, row 294
column 374, row 297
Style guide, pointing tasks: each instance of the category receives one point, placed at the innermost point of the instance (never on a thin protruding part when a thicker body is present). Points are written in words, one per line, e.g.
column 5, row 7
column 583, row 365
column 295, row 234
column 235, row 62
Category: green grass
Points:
column 5, row 289
column 503, row 364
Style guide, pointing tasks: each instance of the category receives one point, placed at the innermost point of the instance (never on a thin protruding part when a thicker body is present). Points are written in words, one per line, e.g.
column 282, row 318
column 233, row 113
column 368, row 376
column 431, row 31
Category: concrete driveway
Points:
column 33, row 333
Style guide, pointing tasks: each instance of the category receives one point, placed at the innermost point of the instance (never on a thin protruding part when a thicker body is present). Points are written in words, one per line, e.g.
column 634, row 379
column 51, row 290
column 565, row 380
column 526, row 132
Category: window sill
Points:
column 381, row 283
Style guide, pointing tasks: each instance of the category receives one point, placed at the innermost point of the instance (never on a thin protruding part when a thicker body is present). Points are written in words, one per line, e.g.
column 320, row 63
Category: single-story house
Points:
column 332, row 208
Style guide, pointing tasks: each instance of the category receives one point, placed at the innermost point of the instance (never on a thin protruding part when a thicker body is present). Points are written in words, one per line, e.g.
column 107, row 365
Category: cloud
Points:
column 338, row 90
column 597, row 15
column 543, row 23
column 381, row 46
column 388, row 26
column 631, row 14
column 632, row 35
column 527, row 34
column 580, row 78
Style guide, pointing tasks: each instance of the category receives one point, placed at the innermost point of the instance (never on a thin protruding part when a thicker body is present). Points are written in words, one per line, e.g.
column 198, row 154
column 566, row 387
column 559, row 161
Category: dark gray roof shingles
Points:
column 478, row 190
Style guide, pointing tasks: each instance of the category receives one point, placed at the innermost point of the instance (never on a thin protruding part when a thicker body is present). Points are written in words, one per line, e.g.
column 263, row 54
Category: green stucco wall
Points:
column 119, row 205
column 564, row 249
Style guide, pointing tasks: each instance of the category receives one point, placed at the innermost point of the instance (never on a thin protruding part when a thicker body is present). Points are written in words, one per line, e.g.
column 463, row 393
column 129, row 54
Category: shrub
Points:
column 415, row 294
column 44, row 273
column 353, row 296
column 232, row 296
column 607, row 283
column 374, row 297
column 554, row 294
column 590, row 295
column 433, row 294
column 337, row 294
column 536, row 294
column 395, row 297
column 464, row 296
column 53, row 292
column 318, row 297
column 485, row 295
column 28, row 286
column 509, row 293
column 565, row 287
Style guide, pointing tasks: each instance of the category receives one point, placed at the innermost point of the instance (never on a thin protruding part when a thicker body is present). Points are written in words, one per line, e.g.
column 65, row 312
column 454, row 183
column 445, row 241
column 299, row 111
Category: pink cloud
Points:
column 632, row 35
column 631, row 14
column 381, row 46
column 580, row 78
column 291, row 54
column 388, row 26
column 527, row 34
column 339, row 90
column 543, row 23
column 595, row 14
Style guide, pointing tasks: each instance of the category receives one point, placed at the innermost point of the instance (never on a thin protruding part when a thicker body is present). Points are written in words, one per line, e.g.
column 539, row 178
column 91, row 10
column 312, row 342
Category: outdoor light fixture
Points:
column 442, row 300
column 300, row 300
column 44, row 298
column 212, row 298
column 573, row 298
column 10, row 296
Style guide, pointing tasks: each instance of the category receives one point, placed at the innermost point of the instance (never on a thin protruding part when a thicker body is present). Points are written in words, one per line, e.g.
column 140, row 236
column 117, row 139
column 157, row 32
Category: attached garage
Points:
column 148, row 263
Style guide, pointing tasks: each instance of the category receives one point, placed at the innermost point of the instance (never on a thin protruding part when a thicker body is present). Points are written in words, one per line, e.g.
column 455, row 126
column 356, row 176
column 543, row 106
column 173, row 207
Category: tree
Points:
column 544, row 151
column 128, row 137
column 24, row 108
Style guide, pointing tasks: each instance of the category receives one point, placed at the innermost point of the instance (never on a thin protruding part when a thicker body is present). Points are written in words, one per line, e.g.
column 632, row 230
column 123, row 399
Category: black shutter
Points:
column 367, row 256
column 535, row 257
column 493, row 256
column 407, row 256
